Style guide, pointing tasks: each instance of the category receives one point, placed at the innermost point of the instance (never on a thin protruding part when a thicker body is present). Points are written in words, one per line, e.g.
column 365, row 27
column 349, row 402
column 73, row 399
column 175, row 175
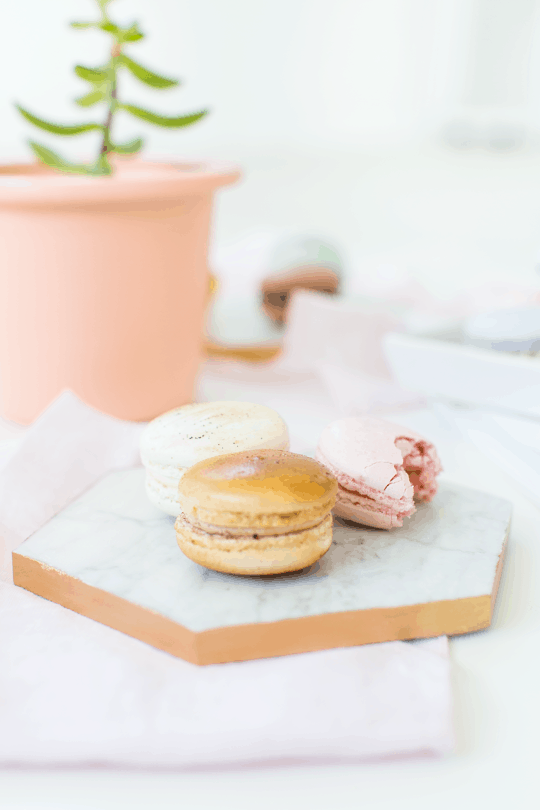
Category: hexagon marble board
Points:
column 112, row 556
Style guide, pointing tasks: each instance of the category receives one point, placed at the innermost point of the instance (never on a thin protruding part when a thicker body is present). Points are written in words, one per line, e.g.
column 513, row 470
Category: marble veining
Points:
column 114, row 539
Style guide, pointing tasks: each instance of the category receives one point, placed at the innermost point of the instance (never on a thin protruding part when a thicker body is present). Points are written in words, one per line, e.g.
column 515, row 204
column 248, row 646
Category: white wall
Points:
column 310, row 73
column 300, row 90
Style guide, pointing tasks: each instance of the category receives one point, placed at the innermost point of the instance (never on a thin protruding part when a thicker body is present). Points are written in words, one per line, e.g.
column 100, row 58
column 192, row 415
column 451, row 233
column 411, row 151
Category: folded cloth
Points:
column 69, row 448
column 77, row 692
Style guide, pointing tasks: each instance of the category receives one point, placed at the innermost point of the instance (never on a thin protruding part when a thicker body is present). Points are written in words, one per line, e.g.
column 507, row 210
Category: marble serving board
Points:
column 112, row 556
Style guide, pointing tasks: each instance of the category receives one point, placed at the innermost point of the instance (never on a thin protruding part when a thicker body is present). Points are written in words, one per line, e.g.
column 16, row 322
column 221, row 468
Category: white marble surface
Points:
column 114, row 539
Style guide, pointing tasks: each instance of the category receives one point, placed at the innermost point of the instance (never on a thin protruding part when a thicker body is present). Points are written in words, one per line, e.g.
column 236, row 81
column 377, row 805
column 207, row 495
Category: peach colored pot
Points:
column 103, row 286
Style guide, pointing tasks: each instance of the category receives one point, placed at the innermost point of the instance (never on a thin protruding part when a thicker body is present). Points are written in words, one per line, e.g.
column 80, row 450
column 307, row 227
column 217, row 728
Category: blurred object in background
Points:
column 103, row 286
column 513, row 444
column 387, row 282
column 496, row 295
column 324, row 329
column 103, row 278
column 506, row 330
column 256, row 277
column 350, row 74
column 340, row 341
column 277, row 290
column 418, row 283
column 299, row 263
column 495, row 91
column 439, row 366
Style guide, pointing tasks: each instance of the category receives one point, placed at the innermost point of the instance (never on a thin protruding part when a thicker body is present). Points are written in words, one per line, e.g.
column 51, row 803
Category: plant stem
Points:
column 106, row 142
column 116, row 50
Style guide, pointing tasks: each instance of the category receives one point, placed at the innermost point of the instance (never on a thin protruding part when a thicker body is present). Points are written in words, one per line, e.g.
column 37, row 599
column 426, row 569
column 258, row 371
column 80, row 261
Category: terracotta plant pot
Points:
column 103, row 286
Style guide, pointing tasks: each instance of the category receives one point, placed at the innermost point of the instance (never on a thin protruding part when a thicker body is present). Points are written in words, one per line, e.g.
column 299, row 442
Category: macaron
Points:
column 381, row 468
column 299, row 262
column 256, row 512
column 178, row 439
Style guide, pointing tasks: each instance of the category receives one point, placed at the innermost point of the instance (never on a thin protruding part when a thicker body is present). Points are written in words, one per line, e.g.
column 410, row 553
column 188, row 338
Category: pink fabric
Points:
column 69, row 448
column 76, row 692
column 335, row 331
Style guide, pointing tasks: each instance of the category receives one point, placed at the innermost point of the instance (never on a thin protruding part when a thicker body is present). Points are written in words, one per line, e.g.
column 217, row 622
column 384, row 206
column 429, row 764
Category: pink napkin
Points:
column 76, row 692
column 333, row 329
column 355, row 394
column 340, row 340
column 69, row 448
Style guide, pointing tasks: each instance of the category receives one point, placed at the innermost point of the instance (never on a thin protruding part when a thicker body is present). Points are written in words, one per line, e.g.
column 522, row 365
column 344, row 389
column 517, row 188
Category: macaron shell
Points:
column 247, row 486
column 162, row 496
column 365, row 448
column 187, row 435
column 366, row 516
column 371, row 452
column 383, row 500
column 249, row 556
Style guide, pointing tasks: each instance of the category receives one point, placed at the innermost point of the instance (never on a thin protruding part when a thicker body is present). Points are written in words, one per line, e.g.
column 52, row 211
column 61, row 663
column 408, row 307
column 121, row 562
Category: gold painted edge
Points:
column 345, row 629
column 498, row 573
column 251, row 641
column 104, row 607
column 247, row 354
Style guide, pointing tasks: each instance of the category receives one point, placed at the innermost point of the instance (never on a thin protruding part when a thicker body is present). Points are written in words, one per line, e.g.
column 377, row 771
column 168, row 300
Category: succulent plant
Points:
column 104, row 87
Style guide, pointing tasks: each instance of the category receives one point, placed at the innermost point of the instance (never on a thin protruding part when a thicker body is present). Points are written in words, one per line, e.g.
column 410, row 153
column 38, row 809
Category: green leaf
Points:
column 83, row 25
column 132, row 34
column 52, row 159
column 110, row 27
column 91, row 98
column 147, row 76
column 129, row 148
column 93, row 75
column 163, row 120
column 102, row 166
column 57, row 129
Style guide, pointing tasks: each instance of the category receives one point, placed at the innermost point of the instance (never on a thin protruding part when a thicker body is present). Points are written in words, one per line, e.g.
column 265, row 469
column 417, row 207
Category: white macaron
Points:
column 178, row 439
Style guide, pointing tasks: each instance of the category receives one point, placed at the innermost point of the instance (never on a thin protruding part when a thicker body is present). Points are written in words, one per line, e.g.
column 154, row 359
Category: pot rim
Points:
column 34, row 185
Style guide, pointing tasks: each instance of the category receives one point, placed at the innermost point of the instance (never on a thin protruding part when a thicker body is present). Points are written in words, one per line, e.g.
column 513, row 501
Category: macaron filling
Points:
column 422, row 465
column 255, row 531
column 240, row 534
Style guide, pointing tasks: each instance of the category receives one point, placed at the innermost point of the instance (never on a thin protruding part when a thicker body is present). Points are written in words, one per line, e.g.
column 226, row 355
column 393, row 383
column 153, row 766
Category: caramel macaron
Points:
column 256, row 512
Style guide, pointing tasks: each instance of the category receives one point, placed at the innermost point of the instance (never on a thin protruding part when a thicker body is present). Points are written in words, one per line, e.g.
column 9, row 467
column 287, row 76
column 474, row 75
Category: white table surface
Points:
column 496, row 672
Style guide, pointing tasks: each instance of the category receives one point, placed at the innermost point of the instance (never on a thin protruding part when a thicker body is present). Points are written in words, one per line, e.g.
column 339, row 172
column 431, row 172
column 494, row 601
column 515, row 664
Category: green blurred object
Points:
column 104, row 90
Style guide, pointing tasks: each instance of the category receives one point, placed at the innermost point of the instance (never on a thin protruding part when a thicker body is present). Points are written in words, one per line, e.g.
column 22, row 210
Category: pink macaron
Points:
column 380, row 468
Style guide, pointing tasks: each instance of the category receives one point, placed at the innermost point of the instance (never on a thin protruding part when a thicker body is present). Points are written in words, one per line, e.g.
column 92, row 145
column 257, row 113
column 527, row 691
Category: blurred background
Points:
column 405, row 131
